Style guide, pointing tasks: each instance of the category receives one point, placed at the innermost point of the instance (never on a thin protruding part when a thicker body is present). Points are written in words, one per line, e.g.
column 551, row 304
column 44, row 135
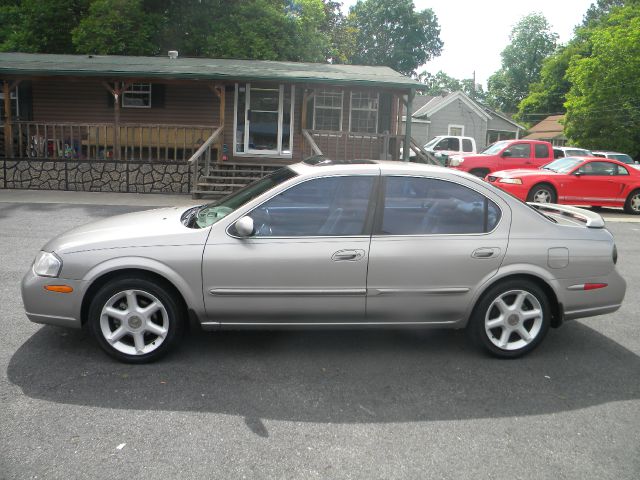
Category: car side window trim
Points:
column 368, row 225
column 379, row 217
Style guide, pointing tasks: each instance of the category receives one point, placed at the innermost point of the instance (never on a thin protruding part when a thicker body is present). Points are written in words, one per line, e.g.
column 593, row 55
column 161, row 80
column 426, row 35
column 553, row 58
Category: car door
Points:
column 595, row 182
column 306, row 261
column 435, row 242
column 516, row 155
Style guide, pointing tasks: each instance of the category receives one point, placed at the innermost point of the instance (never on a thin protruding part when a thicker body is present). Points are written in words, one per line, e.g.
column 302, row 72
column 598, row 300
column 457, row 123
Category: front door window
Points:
column 263, row 119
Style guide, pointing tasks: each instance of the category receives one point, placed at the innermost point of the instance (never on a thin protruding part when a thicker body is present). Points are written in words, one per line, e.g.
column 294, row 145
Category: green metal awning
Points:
column 36, row 64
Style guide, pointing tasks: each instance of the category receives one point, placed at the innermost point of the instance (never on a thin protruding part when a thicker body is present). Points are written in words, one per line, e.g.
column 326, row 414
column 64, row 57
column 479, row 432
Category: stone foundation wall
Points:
column 95, row 176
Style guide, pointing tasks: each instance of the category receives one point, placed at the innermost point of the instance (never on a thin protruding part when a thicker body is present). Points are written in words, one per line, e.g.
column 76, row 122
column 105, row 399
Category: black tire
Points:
column 632, row 204
column 480, row 172
column 486, row 311
column 542, row 190
column 168, row 318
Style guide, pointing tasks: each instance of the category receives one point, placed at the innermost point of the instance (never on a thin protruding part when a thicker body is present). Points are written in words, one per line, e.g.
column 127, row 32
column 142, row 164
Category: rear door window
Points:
column 467, row 145
column 542, row 151
column 426, row 206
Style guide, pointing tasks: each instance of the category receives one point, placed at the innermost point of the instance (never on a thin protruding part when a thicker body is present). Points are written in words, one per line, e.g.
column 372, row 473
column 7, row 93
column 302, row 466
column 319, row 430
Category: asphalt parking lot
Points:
column 322, row 404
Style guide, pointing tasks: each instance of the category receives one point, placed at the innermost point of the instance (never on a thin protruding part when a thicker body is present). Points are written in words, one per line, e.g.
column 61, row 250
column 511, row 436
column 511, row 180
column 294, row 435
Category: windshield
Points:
column 622, row 157
column 209, row 214
column 494, row 148
column 563, row 165
column 432, row 142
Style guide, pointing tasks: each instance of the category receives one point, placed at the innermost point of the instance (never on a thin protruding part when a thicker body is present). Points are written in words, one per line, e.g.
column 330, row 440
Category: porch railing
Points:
column 201, row 158
column 351, row 145
column 97, row 141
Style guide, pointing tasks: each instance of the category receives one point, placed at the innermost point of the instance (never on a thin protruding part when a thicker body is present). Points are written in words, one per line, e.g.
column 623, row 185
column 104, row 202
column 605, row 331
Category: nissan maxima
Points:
column 330, row 244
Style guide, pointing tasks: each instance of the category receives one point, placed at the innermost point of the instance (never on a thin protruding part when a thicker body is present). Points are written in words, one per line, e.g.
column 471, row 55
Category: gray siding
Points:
column 458, row 113
column 419, row 131
column 497, row 123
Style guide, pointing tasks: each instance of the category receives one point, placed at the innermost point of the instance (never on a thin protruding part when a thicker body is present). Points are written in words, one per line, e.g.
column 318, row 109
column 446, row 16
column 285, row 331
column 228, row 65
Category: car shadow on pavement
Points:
column 336, row 376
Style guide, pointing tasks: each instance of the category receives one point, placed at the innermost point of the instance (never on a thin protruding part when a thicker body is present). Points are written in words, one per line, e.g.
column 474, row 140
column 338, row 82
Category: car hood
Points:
column 523, row 172
column 140, row 229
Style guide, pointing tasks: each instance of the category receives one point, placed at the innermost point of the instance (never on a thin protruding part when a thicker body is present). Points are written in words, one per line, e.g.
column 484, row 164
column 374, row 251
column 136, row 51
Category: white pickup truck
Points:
column 444, row 146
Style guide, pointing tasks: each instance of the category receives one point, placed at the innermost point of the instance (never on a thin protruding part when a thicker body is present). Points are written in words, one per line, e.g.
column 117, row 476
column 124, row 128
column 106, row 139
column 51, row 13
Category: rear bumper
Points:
column 589, row 303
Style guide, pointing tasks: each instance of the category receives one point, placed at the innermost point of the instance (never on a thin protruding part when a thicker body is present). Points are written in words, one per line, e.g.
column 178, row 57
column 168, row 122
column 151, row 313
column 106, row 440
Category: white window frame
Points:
column 341, row 108
column 452, row 125
column 137, row 92
column 13, row 95
column 247, row 102
column 377, row 110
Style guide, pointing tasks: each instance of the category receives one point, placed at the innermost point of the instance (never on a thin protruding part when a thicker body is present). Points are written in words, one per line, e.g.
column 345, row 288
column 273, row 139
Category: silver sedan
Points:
column 324, row 243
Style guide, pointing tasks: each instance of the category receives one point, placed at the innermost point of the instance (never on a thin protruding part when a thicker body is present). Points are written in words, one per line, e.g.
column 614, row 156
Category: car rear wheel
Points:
column 632, row 205
column 135, row 320
column 541, row 194
column 479, row 172
column 511, row 319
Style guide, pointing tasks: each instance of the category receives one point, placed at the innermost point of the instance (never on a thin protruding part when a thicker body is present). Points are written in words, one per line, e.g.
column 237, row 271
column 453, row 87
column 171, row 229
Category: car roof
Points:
column 365, row 165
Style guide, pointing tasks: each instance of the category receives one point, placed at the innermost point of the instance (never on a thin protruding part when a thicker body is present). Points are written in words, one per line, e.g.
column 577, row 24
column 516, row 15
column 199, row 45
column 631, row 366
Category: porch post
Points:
column 8, row 134
column 222, row 110
column 116, row 91
column 407, row 129
column 116, row 124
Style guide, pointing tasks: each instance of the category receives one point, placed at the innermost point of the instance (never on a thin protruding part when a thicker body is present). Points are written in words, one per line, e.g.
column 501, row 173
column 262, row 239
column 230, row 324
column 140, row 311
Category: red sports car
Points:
column 575, row 181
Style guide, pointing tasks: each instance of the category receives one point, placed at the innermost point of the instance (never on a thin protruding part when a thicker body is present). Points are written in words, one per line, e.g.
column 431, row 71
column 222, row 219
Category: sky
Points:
column 474, row 32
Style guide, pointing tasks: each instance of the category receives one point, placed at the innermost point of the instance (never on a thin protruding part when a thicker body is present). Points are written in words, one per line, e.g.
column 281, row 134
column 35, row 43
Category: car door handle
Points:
column 347, row 255
column 487, row 252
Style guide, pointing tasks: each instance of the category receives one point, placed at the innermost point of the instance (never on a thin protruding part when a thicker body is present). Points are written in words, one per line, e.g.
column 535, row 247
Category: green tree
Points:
column 531, row 41
column 603, row 104
column 393, row 33
column 37, row 26
column 116, row 27
column 547, row 96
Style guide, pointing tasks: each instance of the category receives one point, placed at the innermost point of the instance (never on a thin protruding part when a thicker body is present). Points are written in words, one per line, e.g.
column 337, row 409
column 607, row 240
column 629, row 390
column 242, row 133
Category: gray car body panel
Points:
column 295, row 281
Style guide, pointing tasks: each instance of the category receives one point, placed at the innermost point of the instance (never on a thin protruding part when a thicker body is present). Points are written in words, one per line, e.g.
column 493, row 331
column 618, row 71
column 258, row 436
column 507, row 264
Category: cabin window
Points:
column 137, row 95
column 364, row 112
column 327, row 110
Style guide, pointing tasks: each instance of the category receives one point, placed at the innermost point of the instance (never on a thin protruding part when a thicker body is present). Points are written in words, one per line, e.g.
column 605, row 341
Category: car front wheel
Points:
column 135, row 320
column 511, row 319
column 541, row 194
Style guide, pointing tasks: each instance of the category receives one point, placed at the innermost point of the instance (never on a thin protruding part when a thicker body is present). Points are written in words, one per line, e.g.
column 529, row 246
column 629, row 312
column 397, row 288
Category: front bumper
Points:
column 52, row 308
column 518, row 191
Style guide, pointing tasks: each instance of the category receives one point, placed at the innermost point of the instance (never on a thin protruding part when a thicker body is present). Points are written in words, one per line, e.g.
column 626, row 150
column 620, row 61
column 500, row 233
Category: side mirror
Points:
column 577, row 173
column 506, row 154
column 244, row 226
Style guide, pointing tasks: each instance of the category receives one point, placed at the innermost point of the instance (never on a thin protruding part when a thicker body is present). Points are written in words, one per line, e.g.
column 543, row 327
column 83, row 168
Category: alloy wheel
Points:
column 513, row 320
column 542, row 196
column 134, row 322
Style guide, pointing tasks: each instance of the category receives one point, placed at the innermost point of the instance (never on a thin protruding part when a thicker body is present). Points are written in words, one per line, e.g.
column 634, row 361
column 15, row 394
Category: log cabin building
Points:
column 188, row 125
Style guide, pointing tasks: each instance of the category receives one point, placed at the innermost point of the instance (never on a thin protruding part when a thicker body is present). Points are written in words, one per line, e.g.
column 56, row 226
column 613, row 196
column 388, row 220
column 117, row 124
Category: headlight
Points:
column 515, row 181
column 455, row 161
column 47, row 265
